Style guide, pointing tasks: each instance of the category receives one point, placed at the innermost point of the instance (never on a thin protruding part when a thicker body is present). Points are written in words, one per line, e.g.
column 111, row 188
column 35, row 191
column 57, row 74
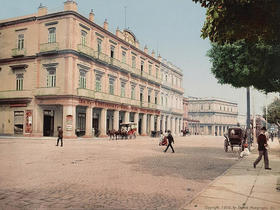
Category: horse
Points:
column 185, row 132
column 112, row 133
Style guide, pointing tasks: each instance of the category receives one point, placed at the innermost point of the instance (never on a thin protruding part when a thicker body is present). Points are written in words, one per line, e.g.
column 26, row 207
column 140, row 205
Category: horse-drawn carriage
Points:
column 236, row 137
column 127, row 130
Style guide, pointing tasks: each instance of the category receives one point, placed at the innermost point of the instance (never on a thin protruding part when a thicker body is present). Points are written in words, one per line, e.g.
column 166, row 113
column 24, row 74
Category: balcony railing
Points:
column 45, row 91
column 114, row 98
column 114, row 62
column 18, row 52
column 15, row 94
column 49, row 47
column 86, row 50
column 85, row 93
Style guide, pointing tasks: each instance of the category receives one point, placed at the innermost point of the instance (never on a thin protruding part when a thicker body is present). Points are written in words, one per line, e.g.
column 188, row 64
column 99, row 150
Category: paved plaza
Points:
column 108, row 174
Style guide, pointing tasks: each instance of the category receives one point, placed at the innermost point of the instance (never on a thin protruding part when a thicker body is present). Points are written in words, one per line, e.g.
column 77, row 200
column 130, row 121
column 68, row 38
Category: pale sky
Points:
column 171, row 28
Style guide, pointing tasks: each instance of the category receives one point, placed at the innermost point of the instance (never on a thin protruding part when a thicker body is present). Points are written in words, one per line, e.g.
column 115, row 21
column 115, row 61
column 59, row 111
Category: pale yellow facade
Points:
column 62, row 69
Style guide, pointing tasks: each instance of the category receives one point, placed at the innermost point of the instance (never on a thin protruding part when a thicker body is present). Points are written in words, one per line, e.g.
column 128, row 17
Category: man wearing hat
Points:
column 262, row 144
column 170, row 141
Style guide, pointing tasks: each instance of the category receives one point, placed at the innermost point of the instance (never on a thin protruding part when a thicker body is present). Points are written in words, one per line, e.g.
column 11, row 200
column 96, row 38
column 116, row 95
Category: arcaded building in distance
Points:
column 215, row 116
column 62, row 69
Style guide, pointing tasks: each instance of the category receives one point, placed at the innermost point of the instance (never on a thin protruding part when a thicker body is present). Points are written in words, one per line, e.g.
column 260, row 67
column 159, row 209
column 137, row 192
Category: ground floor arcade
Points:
column 214, row 130
column 82, row 117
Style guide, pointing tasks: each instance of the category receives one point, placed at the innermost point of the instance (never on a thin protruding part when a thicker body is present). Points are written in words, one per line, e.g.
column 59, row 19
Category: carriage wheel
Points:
column 226, row 145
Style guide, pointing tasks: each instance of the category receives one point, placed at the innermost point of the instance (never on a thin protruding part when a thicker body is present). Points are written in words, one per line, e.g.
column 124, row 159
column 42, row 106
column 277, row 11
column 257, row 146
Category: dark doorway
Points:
column 18, row 122
column 140, row 126
column 48, row 126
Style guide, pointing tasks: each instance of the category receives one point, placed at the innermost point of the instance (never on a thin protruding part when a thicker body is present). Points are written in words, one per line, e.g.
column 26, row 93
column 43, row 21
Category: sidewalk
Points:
column 243, row 187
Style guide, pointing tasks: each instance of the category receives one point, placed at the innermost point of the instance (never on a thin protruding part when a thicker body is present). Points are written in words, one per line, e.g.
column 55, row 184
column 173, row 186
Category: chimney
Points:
column 70, row 5
column 146, row 49
column 159, row 57
column 153, row 53
column 137, row 44
column 42, row 10
column 91, row 16
column 105, row 25
column 118, row 32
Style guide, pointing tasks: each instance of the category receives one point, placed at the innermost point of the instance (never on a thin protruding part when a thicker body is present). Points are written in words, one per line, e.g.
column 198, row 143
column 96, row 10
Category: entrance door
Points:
column 18, row 122
column 140, row 126
column 48, row 126
column 81, row 125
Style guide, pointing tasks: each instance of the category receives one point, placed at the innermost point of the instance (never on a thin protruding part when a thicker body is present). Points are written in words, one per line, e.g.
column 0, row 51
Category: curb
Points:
column 211, row 183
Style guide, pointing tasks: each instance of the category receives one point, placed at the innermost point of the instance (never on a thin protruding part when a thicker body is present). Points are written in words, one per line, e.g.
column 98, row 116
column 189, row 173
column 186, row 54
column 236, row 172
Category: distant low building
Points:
column 241, row 119
column 189, row 124
column 215, row 116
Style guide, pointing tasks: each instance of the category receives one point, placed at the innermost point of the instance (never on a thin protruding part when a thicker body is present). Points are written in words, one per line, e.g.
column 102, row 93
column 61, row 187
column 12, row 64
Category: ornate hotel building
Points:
column 62, row 69
column 215, row 116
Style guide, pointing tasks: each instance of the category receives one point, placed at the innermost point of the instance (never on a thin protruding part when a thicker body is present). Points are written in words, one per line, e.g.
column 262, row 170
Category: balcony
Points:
column 85, row 93
column 114, row 62
column 86, row 50
column 107, row 97
column 47, row 91
column 18, row 52
column 152, row 106
column 49, row 47
column 177, row 111
column 15, row 94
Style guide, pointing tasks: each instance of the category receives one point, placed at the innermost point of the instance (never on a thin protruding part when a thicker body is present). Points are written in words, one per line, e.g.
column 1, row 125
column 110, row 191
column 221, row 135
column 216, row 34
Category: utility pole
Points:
column 254, row 118
column 266, row 111
column 248, row 118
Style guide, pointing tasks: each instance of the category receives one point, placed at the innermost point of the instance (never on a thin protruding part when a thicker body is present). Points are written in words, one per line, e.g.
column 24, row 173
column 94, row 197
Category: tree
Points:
column 273, row 112
column 243, row 64
column 228, row 21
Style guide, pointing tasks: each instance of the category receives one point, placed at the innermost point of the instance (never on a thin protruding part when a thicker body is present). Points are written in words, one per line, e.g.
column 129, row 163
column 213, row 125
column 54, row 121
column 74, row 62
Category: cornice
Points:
column 65, row 13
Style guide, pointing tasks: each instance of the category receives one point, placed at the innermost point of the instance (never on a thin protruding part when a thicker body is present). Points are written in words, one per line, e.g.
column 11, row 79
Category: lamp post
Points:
column 248, row 118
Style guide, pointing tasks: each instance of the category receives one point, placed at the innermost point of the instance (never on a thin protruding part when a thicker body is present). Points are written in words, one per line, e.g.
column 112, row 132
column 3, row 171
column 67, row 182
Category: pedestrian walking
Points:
column 170, row 141
column 60, row 136
column 262, row 144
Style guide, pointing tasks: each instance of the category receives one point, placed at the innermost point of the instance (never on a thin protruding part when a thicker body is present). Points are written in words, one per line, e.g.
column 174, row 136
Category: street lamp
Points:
column 248, row 118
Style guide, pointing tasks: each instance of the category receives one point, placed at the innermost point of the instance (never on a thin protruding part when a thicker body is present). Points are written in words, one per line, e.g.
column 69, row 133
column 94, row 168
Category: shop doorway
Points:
column 48, row 126
column 18, row 122
column 140, row 126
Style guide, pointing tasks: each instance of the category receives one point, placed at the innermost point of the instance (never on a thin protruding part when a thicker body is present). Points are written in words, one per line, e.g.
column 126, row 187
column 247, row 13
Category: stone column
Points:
column 136, row 120
column 177, row 126
column 158, row 123
column 152, row 123
column 163, row 123
column 103, row 122
column 88, row 122
column 69, row 121
column 116, row 120
column 144, row 125
column 173, row 126
column 168, row 122
column 126, row 117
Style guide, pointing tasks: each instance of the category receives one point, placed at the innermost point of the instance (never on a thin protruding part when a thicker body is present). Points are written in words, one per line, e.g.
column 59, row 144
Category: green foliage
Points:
column 243, row 64
column 273, row 112
column 230, row 20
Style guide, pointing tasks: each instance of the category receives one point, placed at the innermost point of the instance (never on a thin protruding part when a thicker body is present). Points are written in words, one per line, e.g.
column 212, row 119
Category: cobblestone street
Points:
column 108, row 174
